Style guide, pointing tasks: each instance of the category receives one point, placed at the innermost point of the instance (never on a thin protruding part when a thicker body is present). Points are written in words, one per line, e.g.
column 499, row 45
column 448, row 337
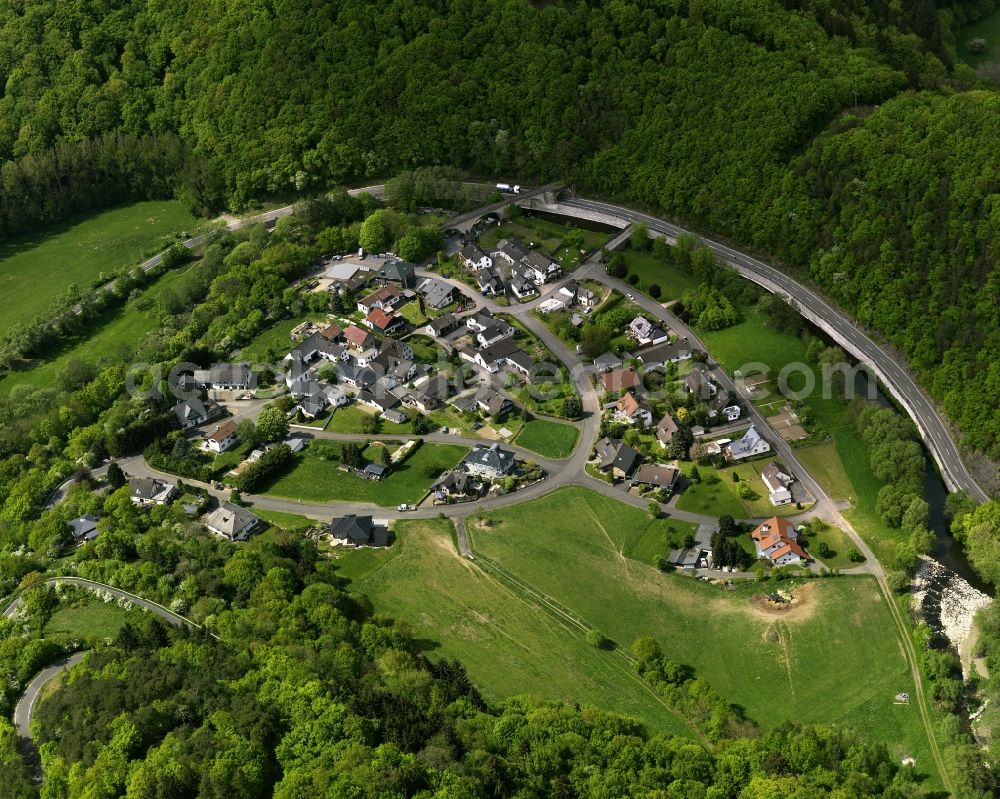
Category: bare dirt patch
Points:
column 797, row 604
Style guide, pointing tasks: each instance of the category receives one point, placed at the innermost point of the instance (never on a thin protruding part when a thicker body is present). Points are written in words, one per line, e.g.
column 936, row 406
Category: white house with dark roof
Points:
column 358, row 531
column 436, row 293
column 222, row 438
column 474, row 258
column 489, row 462
column 225, row 376
column 442, row 325
column 778, row 484
column 617, row 457
column 193, row 412
column 231, row 522
column 147, row 491
column 750, row 445
column 84, row 528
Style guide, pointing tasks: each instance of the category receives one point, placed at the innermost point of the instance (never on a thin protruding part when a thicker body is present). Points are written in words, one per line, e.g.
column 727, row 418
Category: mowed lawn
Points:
column 549, row 439
column 836, row 660
column 509, row 646
column 37, row 268
column 92, row 621
column 314, row 478
column 672, row 280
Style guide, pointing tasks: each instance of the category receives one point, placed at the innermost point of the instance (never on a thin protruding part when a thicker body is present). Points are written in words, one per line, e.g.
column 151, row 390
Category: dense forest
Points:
column 842, row 137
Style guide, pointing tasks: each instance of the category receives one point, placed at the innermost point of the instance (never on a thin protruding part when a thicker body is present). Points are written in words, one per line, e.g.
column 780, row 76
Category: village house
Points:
column 657, row 475
column 494, row 333
column 576, row 294
column 358, row 531
column 617, row 457
column 489, row 283
column 492, row 402
column 631, row 410
column 731, row 413
column 84, row 528
column 384, row 322
column 474, row 258
column 699, row 383
column 358, row 339
column 646, row 333
column 356, row 376
column 747, row 447
column 521, row 283
column 489, row 462
column 662, row 354
column 665, row 430
column 386, row 298
column 624, row 379
column 222, row 438
column 607, row 361
column 454, row 484
column 231, row 522
column 148, row 491
column 778, row 541
column 394, row 272
column 480, row 320
column 430, row 393
column 436, row 293
column 777, row 482
column 193, row 412
column 442, row 326
column 224, row 377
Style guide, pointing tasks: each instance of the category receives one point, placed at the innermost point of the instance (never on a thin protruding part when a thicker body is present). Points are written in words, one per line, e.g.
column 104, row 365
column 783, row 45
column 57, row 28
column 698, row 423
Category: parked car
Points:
column 405, row 506
column 218, row 486
column 630, row 297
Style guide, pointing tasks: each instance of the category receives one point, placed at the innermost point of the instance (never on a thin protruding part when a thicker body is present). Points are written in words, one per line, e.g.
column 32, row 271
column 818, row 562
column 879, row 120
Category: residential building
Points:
column 492, row 402
column 84, row 528
column 657, row 475
column 521, row 282
column 480, row 320
column 436, row 293
column 359, row 339
column 777, row 482
column 224, row 377
column 607, row 361
column 396, row 348
column 632, row 410
column 147, row 491
column 489, row 283
column 699, row 382
column 577, row 294
column 442, row 326
column 386, row 298
column 231, row 522
column 397, row 273
column 357, row 376
column 696, row 557
column 222, row 438
column 494, row 333
column 777, row 540
column 662, row 354
column 665, row 430
column 540, row 268
column 380, row 400
column 454, row 484
column 647, row 333
column 430, row 393
column 731, row 413
column 489, row 462
column 193, row 412
column 617, row 457
column 747, row 447
column 359, row 531
column 511, row 250
column 384, row 322
column 474, row 258
column 623, row 379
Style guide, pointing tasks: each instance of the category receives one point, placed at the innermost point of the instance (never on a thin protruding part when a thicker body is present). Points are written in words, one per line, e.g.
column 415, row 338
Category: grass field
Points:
column 274, row 343
column 316, row 479
column 38, row 268
column 348, row 419
column 835, row 660
column 673, row 282
column 114, row 336
column 658, row 537
column 988, row 29
column 714, row 497
column 509, row 646
column 549, row 439
column 91, row 621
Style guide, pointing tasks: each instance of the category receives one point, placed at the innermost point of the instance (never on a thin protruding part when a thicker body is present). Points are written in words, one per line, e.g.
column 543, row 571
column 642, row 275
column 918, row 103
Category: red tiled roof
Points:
column 778, row 534
column 356, row 335
column 379, row 319
column 621, row 379
column 387, row 292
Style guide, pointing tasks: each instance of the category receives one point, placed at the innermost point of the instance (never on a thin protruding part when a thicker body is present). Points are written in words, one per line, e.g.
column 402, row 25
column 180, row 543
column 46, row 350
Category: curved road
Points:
column 846, row 332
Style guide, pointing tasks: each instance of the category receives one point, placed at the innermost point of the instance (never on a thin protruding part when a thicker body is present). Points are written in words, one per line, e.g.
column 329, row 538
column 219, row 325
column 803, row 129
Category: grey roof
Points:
column 351, row 528
column 660, row 354
column 499, row 350
column 686, row 557
column 472, row 252
column 656, row 474
column 436, row 293
column 666, row 428
column 522, row 359
column 193, row 408
column 488, row 279
column 492, row 400
column 607, row 360
column 84, row 528
column 231, row 520
column 146, row 487
column 386, row 402
column 614, row 452
column 225, row 374
column 747, row 443
column 444, row 323
column 359, row 376
column 455, row 481
column 396, row 271
column 376, row 469
column 492, row 458
column 513, row 249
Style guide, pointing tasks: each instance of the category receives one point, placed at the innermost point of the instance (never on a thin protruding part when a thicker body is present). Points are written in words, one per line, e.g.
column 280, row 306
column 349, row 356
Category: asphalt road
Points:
column 846, row 332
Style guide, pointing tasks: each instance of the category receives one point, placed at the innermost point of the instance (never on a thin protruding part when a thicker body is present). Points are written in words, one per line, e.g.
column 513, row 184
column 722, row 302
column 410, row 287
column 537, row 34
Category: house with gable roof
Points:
column 777, row 540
